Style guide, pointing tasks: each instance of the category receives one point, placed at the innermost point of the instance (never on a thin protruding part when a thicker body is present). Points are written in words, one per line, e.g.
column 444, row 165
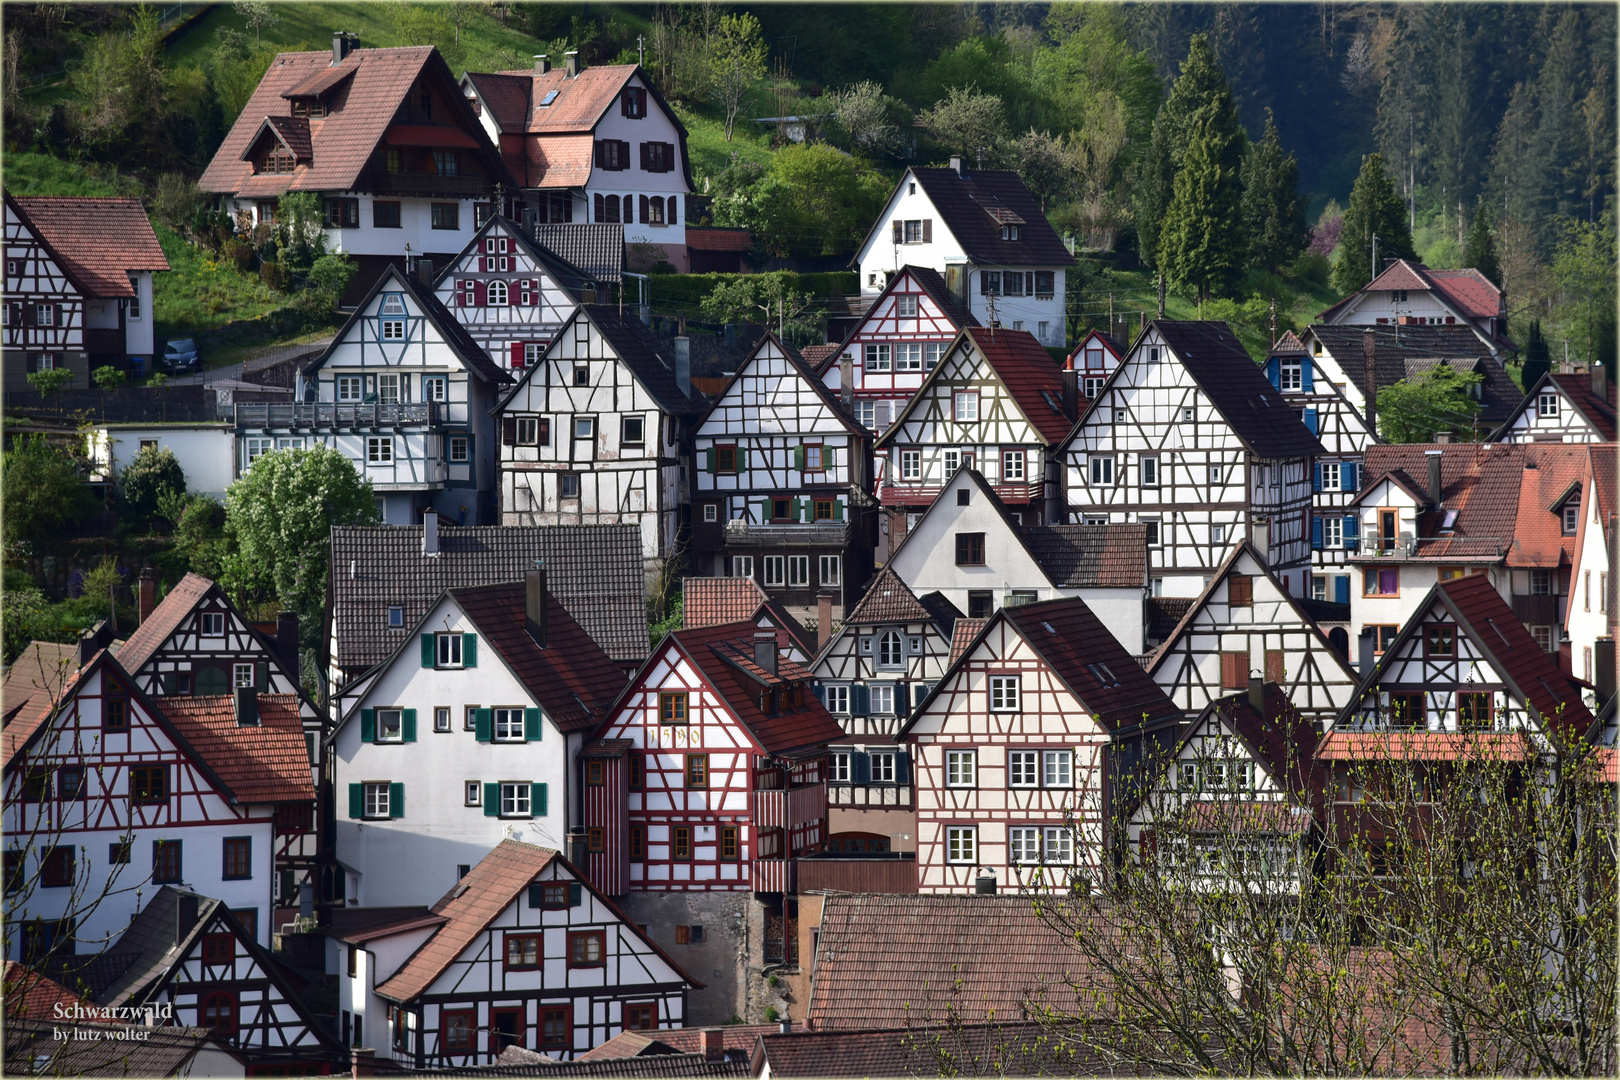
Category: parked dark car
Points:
column 179, row 356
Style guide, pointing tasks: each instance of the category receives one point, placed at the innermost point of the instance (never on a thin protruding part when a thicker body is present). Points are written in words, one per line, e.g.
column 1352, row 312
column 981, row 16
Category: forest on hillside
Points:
column 1493, row 124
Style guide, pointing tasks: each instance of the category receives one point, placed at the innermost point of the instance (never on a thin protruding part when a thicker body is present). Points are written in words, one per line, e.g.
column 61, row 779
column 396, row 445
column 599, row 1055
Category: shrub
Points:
column 238, row 254
column 272, row 274
column 176, row 201
column 149, row 481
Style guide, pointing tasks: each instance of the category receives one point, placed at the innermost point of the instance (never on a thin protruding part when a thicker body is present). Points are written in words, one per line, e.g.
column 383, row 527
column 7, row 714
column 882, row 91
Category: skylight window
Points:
column 551, row 95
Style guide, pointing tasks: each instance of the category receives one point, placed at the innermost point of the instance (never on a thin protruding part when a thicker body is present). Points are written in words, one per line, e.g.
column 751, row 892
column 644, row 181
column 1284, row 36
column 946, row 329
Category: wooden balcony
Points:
column 743, row 534
column 429, row 185
column 893, row 874
column 329, row 416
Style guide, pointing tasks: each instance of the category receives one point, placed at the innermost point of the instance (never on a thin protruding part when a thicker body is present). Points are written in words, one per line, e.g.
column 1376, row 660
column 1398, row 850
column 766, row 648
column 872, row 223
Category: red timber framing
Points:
column 724, row 747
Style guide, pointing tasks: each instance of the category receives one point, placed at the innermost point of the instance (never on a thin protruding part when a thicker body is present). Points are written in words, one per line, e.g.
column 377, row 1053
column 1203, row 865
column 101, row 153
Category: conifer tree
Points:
column 1201, row 243
column 1479, row 251
column 1375, row 210
column 1537, row 357
column 1273, row 212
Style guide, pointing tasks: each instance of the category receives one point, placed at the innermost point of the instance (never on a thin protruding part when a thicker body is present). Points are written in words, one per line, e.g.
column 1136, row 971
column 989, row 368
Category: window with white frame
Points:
column 284, row 442
column 1152, row 526
column 1004, row 693
column 961, row 768
column 878, row 357
column 1572, row 517
column 742, row 566
column 393, row 329
column 211, row 624
column 962, row 845
column 891, row 650
column 1012, row 466
column 832, row 569
column 1217, row 474
column 375, row 804
column 379, row 450
column 447, row 650
column 350, row 388
column 241, row 675
column 1292, row 377
column 459, row 454
column 441, row 718
column 1547, row 404
column 388, row 389
column 905, row 306
column 711, row 512
column 1150, row 472
column 1059, row 845
column 1093, row 386
column 1022, row 768
column 1333, row 532
column 1057, row 768
column 1102, row 469
column 515, row 799
column 911, row 464
column 882, row 698
column 775, row 570
column 255, row 448
column 508, row 725
column 883, row 767
column 1024, row 842
column 496, row 295
column 435, row 388
column 390, row 725
column 798, row 571
column 1217, row 534
column 838, row 767
column 838, row 700
column 1331, row 476
column 908, row 356
column 933, row 353
column 965, row 406
column 45, row 315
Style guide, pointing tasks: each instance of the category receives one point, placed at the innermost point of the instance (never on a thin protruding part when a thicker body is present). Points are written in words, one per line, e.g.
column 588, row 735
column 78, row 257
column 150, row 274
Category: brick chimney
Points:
column 534, row 602
column 362, row 1061
column 714, row 1044
column 147, row 590
column 1369, row 355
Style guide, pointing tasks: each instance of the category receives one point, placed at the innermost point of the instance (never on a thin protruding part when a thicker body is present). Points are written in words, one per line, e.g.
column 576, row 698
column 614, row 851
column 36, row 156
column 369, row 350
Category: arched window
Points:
column 219, row 1014
column 497, row 293
column 601, row 214
column 889, row 652
column 613, row 209
column 669, row 216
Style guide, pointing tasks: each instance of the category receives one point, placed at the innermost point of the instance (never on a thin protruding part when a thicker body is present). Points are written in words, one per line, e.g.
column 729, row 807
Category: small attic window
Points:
column 551, row 95
column 1450, row 521
column 1009, row 232
column 393, row 304
column 396, row 618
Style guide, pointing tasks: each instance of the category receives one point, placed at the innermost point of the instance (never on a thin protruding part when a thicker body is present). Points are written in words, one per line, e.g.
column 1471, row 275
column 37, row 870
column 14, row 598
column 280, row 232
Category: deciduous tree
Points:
column 151, row 478
column 43, row 489
column 970, row 123
column 1416, row 409
column 256, row 14
column 738, row 62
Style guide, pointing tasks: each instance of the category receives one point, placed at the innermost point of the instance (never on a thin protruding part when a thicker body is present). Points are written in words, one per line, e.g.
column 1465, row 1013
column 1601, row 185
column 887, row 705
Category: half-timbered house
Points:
column 1245, row 626
column 189, row 953
column 780, row 489
column 522, row 951
column 1190, row 440
column 1014, row 748
column 1095, row 358
column 1571, row 407
column 107, row 788
column 1239, row 795
column 891, row 650
column 592, row 144
column 986, row 234
column 511, row 294
column 712, row 601
column 1407, row 293
column 595, row 433
column 384, row 135
column 78, row 286
column 894, row 346
column 466, row 734
column 970, row 548
column 403, row 392
column 996, row 402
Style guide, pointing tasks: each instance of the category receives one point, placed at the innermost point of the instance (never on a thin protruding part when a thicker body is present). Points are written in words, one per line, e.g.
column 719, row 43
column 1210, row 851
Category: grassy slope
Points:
column 1136, row 291
column 201, row 293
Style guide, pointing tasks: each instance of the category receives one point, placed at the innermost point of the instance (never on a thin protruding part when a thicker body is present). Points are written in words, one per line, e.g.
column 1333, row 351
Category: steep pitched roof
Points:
column 116, row 1050
column 580, row 102
column 343, row 142
column 1030, row 375
column 737, row 1038
column 165, row 619
column 1576, row 387
column 151, row 944
column 711, row 601
column 506, row 96
column 1282, row 741
column 975, row 205
column 565, row 273
column 598, row 250
column 267, row 762
column 638, row 350
column 595, row 571
column 1235, row 385
column 1090, row 556
column 898, row 960
column 964, row 634
column 1401, row 352
column 1288, row 345
column 1469, row 291
column 36, row 678
column 571, row 678
column 802, row 370
column 31, row 995
column 95, row 240
column 888, row 600
column 933, row 285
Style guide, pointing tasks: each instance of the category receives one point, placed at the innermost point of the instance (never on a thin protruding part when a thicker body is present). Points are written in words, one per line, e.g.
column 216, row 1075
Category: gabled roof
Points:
column 817, row 356
column 462, row 343
column 712, row 601
column 595, row 571
column 598, row 250
column 1282, row 741
column 638, row 350
column 31, row 995
column 291, row 131
column 805, row 375
column 1468, row 292
column 890, row 600
column 95, row 241
column 36, row 678
column 1576, row 388
column 343, row 142
column 1100, row 338
column 565, row 273
column 975, row 204
column 571, row 678
column 771, row 614
column 737, row 1038
column 933, row 285
column 1401, row 352
column 1235, row 385
column 1022, row 365
column 724, row 656
column 963, row 634
column 266, row 762
column 164, row 620
column 474, row 902
column 113, row 1050
column 1112, row 556
column 1288, row 345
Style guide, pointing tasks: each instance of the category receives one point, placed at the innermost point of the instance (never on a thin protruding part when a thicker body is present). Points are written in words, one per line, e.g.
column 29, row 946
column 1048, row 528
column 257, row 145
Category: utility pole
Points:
column 641, row 50
column 1273, row 322
column 1161, row 294
column 1374, row 256
column 1411, row 174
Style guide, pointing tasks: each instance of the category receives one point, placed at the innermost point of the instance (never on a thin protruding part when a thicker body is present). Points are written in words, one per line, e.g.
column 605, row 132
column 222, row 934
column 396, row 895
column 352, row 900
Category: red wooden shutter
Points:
column 928, row 230
column 534, row 291
column 897, row 228
column 517, row 354
column 480, row 294
column 1274, row 665
column 461, row 294
column 1234, row 670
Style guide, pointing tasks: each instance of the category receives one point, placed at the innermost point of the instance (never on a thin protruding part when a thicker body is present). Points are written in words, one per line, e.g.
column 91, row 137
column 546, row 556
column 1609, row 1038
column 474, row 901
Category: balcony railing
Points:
column 1431, row 547
column 831, row 533
column 429, row 184
column 329, row 415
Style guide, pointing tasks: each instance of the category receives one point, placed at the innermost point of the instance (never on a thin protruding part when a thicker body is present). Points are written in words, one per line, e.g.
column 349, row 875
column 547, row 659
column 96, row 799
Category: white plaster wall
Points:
column 654, row 127
column 205, row 452
column 880, row 253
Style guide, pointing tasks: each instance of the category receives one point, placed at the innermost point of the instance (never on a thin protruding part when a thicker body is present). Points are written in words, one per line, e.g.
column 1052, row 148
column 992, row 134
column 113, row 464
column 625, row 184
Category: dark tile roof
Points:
column 165, row 619
column 1031, row 376
column 596, row 249
column 998, row 1049
column 266, row 762
column 1402, row 351
column 773, row 615
column 1084, row 653
column 888, row 600
column 1282, row 741
column 595, row 571
column 933, row 283
column 1236, row 386
column 818, row 355
column 976, row 203
column 944, row 612
column 1288, row 345
column 293, row 131
column 1164, row 614
column 152, row 944
column 896, row 960
column 505, row 96
column 565, row 273
column 642, row 353
column 647, row 1065
column 711, row 601
column 365, row 923
column 571, row 678
column 1090, row 556
column 1577, row 387
column 144, row 1051
column 96, row 240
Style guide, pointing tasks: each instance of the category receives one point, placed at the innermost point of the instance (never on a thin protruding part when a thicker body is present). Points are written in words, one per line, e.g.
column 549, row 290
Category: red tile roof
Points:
column 712, row 601
column 572, row 678
column 28, row 994
column 1551, row 470
column 557, row 162
column 267, row 762
column 97, row 240
column 580, row 101
column 1577, row 387
column 962, row 635
column 1000, row 1049
column 1288, row 345
column 1420, row 746
column 29, row 719
column 505, row 96
column 163, row 622
column 888, row 600
column 813, row 355
column 1470, row 291
column 37, row 676
column 1030, row 375
column 738, row 1038
column 704, row 239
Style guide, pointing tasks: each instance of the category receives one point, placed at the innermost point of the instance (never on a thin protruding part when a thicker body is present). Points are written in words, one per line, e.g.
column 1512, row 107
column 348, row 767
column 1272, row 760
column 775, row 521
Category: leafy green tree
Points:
column 43, row 489
column 300, row 232
column 328, row 277
column 1202, row 242
column 814, row 200
column 257, row 14
column 970, row 123
column 153, row 477
column 50, row 380
column 1584, row 270
column 23, row 614
column 1375, row 210
column 200, row 538
column 1414, row 410
column 1480, row 250
column 738, row 63
column 107, row 377
column 869, row 118
column 122, row 83
column 1045, row 166
column 281, row 515
column 1273, row 211
column 768, row 299
column 1537, row 357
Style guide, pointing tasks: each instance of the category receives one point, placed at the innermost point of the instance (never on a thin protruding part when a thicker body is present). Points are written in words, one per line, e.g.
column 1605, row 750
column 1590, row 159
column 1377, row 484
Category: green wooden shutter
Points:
column 798, row 458
column 533, row 729
column 396, row 800
column 484, row 724
column 408, row 724
column 469, row 650
column 537, row 799
column 427, row 650
column 492, row 800
column 537, row 895
column 838, row 509
column 709, row 456
column 576, row 894
column 368, row 725
column 356, row 804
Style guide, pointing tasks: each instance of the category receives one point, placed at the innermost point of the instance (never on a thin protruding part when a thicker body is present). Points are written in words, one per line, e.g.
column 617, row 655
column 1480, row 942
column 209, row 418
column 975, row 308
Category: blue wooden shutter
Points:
column 408, row 725
column 427, row 650
column 492, row 800
column 1310, row 420
column 532, row 727
column 576, row 894
column 820, row 692
column 921, row 690
column 356, row 804
column 1305, row 379
column 368, row 725
column 860, row 700
column 862, row 762
column 1341, row 589
column 1272, row 374
column 1347, row 476
column 1352, row 529
column 1316, row 480
column 902, row 767
column 537, row 799
column 537, row 895
column 484, row 725
column 396, row 800
column 1316, row 533
column 469, row 650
